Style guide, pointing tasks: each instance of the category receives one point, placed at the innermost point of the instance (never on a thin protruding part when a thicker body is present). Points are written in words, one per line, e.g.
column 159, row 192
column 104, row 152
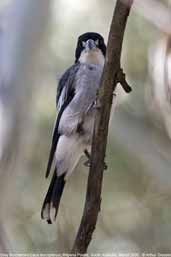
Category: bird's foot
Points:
column 87, row 164
column 105, row 167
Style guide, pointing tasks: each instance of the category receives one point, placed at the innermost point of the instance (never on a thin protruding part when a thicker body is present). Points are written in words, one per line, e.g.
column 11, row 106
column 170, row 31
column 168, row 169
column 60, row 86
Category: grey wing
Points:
column 64, row 89
column 65, row 94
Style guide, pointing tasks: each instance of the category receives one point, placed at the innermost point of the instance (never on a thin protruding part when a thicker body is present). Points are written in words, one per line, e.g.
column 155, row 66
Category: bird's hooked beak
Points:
column 91, row 53
column 90, row 44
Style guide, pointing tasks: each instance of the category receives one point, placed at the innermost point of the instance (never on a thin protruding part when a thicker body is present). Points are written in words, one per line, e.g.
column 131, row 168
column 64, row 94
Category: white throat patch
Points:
column 92, row 57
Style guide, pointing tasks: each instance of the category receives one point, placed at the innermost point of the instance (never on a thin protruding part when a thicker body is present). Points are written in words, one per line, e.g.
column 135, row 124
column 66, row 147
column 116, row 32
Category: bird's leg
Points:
column 87, row 154
column 87, row 163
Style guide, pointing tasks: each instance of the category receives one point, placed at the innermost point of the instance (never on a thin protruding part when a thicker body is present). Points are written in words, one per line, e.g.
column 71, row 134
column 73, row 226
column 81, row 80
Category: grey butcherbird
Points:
column 72, row 135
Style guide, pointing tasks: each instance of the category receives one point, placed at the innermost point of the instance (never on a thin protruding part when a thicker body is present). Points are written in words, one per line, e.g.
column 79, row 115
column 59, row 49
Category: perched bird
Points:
column 73, row 130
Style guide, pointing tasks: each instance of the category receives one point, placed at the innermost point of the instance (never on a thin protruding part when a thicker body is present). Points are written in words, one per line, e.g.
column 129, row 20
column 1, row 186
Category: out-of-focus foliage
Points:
column 136, row 200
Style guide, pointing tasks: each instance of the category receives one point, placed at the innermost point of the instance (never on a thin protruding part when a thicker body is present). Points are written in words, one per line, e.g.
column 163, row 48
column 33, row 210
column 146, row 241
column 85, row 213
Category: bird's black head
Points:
column 90, row 41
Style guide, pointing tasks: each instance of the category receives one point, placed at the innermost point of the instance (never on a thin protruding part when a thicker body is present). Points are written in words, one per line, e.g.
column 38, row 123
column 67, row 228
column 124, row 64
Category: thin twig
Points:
column 109, row 81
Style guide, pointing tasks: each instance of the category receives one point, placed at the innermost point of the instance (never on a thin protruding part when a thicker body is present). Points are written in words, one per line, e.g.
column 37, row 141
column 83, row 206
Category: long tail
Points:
column 53, row 197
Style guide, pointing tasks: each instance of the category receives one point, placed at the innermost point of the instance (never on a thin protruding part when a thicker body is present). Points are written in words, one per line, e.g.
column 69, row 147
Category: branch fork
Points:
column 121, row 79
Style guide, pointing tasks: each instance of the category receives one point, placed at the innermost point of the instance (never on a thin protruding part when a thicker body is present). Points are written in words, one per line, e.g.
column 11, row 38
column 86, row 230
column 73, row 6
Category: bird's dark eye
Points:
column 80, row 44
column 100, row 42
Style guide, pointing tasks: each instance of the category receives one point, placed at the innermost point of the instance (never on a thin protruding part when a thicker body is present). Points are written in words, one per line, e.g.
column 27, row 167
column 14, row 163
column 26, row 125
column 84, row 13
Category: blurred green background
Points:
column 136, row 199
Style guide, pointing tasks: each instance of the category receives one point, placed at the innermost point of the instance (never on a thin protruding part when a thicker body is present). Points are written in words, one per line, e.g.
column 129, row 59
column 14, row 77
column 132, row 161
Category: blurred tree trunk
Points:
column 20, row 41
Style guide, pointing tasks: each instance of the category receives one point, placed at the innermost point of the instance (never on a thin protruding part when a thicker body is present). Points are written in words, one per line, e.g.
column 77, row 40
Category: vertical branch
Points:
column 112, row 74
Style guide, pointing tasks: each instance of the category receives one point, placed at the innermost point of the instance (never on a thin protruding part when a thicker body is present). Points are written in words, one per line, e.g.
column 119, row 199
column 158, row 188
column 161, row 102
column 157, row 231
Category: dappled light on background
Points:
column 160, row 71
column 156, row 12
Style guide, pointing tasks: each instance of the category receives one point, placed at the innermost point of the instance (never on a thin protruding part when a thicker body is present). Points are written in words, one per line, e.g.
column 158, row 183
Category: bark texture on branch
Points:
column 110, row 78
